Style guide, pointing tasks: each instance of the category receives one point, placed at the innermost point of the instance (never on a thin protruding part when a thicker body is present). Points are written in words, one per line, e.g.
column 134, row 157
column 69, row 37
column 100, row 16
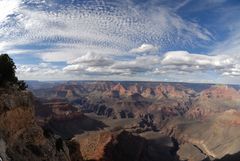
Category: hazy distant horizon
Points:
column 133, row 81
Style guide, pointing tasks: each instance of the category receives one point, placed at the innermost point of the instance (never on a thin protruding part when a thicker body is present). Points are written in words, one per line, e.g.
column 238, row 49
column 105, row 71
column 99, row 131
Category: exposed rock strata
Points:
column 21, row 138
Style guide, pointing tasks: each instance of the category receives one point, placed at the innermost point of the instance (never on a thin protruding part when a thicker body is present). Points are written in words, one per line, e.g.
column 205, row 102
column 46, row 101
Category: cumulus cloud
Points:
column 92, row 59
column 171, row 63
column 93, row 63
column 42, row 71
column 140, row 64
column 181, row 58
column 179, row 65
column 184, row 61
column 234, row 71
column 144, row 48
column 90, row 63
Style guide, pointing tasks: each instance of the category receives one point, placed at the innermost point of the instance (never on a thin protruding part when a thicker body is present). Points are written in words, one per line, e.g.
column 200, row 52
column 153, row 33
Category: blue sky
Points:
column 155, row 40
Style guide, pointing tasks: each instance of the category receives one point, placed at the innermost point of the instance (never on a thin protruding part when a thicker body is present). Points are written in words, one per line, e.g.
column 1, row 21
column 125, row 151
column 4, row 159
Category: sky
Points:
column 144, row 40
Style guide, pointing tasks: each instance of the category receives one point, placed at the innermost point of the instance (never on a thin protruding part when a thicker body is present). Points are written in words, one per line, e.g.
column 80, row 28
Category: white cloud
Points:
column 90, row 63
column 93, row 63
column 2, row 46
column 202, row 61
column 140, row 64
column 42, row 71
column 97, row 39
column 93, row 59
column 234, row 71
column 172, row 66
column 107, row 28
column 8, row 7
column 144, row 48
column 182, row 61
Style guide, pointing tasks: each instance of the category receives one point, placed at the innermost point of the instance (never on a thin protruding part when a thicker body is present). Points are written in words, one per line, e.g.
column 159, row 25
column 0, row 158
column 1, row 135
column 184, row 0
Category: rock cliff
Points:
column 21, row 139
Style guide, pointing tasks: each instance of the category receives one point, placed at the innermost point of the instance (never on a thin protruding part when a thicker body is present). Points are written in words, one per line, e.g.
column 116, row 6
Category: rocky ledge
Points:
column 21, row 139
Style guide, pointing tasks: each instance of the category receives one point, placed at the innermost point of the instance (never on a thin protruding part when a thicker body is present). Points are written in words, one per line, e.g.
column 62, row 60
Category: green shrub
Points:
column 7, row 73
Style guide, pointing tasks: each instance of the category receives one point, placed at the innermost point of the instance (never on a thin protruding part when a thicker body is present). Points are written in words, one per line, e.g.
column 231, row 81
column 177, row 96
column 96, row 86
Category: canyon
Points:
column 114, row 121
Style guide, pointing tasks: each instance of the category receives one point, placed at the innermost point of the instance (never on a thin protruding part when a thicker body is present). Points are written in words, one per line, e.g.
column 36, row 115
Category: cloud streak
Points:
column 90, row 24
column 118, row 39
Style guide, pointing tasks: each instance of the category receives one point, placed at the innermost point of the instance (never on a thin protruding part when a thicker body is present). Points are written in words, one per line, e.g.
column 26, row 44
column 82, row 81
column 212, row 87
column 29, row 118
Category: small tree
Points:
column 8, row 71
column 21, row 85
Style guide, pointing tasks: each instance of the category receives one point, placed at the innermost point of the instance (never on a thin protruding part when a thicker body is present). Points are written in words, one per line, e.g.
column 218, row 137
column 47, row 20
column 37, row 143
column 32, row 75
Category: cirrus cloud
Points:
column 98, row 38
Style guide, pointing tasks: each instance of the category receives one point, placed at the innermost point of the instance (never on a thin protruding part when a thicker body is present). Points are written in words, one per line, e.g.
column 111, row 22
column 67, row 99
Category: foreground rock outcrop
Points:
column 125, row 146
column 21, row 139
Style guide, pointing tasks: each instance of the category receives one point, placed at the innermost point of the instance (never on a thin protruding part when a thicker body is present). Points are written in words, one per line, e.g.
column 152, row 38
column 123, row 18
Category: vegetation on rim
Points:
column 8, row 73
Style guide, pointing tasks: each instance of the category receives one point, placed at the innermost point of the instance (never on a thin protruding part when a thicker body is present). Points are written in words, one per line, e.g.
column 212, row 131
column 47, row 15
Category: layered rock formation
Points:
column 64, row 119
column 190, row 152
column 215, row 99
column 123, row 145
column 203, row 119
column 21, row 139
column 214, row 136
column 125, row 100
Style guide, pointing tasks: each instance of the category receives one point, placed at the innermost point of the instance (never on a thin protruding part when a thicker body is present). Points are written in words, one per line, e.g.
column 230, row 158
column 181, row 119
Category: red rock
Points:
column 120, row 88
